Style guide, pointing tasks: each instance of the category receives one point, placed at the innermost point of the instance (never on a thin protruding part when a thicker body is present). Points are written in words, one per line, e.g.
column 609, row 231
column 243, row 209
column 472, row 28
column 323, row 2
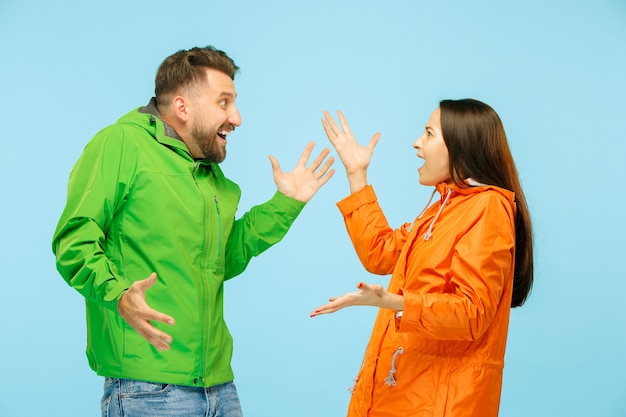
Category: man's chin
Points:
column 215, row 157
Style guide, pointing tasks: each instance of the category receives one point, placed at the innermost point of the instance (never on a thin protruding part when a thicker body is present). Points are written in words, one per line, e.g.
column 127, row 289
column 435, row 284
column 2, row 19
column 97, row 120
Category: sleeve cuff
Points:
column 289, row 205
column 114, row 294
column 365, row 195
column 411, row 313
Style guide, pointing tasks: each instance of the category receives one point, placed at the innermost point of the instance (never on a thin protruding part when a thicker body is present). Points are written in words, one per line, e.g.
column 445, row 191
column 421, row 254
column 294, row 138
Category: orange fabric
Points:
column 457, row 289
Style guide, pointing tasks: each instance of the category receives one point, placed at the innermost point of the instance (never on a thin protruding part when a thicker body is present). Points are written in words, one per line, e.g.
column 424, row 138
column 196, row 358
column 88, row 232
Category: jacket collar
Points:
column 151, row 108
column 447, row 190
column 471, row 187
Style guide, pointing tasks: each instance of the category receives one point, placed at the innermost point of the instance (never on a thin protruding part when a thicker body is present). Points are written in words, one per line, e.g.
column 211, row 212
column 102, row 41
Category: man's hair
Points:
column 187, row 68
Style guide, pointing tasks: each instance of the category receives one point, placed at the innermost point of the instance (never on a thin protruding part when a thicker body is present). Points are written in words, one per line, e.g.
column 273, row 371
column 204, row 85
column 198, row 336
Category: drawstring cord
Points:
column 470, row 181
column 390, row 380
column 353, row 386
column 356, row 377
column 429, row 233
column 424, row 210
column 427, row 204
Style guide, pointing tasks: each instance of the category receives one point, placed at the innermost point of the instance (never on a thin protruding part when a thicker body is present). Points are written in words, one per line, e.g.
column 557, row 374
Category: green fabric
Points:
column 138, row 203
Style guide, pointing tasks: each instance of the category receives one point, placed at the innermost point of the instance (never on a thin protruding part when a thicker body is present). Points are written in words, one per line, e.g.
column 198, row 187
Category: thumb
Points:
column 275, row 164
column 374, row 141
column 145, row 284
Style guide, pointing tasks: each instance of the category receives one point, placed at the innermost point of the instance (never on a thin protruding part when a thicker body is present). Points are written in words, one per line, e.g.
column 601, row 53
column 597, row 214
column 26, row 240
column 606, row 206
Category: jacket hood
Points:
column 473, row 187
column 149, row 119
column 447, row 190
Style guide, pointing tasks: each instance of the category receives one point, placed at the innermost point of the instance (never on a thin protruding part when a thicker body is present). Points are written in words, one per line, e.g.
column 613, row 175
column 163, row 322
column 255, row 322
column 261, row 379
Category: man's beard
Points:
column 210, row 146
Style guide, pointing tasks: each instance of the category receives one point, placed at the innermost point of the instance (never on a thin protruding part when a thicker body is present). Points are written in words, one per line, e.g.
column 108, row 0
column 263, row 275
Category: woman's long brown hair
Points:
column 478, row 148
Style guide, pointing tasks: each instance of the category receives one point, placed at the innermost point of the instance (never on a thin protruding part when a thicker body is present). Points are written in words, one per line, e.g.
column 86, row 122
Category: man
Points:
column 149, row 235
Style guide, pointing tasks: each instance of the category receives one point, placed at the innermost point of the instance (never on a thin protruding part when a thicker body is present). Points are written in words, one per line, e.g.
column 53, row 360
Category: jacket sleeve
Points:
column 482, row 263
column 257, row 230
column 377, row 245
column 96, row 191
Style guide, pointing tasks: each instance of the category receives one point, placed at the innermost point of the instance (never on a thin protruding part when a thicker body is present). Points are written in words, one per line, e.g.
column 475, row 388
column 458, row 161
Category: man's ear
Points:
column 181, row 110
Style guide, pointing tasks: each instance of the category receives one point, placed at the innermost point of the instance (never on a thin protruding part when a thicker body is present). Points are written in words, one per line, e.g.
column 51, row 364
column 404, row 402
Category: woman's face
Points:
column 432, row 149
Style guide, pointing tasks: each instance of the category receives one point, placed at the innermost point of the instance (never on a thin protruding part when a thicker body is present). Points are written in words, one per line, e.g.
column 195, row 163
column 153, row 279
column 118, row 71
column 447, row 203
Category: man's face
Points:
column 213, row 117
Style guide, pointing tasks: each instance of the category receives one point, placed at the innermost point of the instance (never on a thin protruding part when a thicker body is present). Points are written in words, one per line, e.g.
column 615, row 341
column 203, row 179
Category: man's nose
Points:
column 234, row 117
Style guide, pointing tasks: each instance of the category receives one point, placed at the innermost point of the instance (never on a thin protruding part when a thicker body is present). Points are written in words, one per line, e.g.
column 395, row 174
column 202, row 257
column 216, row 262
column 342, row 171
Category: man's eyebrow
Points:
column 228, row 93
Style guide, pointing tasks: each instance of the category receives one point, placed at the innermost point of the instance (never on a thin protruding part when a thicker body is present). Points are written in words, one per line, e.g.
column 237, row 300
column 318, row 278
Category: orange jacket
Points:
column 454, row 267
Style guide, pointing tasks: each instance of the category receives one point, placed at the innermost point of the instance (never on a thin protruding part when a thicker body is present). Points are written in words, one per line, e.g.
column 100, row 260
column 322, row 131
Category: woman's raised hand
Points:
column 355, row 158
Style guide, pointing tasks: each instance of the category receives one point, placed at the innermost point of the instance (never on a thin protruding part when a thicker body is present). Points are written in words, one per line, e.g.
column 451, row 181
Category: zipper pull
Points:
column 217, row 205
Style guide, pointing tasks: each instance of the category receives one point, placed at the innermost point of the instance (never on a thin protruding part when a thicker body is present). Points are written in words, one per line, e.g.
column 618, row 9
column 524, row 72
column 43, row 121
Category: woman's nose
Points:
column 418, row 143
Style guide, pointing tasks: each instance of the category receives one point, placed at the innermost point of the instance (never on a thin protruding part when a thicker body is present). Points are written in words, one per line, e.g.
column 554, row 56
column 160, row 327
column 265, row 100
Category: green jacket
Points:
column 138, row 203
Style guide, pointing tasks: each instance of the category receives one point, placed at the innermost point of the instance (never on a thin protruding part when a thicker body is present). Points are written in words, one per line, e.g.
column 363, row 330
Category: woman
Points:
column 437, row 347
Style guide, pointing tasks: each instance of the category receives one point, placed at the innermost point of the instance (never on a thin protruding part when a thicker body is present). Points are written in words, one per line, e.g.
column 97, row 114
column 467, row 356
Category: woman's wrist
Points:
column 393, row 301
column 357, row 180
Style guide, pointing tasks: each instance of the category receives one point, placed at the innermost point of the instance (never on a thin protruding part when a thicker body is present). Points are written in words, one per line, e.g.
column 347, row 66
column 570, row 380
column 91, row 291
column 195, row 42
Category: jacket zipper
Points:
column 199, row 380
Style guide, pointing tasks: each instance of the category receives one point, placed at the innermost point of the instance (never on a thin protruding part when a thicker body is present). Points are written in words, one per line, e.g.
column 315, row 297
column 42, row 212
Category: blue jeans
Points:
column 130, row 398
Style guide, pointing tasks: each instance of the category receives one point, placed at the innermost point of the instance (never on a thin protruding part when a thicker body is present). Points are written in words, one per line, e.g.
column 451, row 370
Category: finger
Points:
column 161, row 345
column 325, row 168
column 159, row 339
column 374, row 141
column 316, row 312
column 364, row 287
column 306, row 153
column 334, row 128
column 332, row 137
column 323, row 310
column 320, row 158
column 275, row 164
column 344, row 122
column 377, row 288
column 144, row 284
column 373, row 289
column 154, row 315
column 330, row 307
column 154, row 336
column 326, row 177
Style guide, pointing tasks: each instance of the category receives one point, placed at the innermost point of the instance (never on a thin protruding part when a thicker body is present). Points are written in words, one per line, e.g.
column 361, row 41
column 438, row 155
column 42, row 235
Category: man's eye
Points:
column 223, row 103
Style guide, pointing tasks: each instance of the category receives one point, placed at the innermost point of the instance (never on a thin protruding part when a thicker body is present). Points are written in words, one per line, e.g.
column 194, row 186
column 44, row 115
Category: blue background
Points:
column 555, row 71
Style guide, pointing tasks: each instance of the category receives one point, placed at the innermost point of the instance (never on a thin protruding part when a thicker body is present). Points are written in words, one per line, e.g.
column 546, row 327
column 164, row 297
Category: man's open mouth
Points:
column 223, row 134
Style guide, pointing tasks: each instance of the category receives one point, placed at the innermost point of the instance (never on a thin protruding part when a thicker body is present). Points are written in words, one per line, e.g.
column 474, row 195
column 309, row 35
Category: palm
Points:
column 303, row 182
column 367, row 295
column 353, row 156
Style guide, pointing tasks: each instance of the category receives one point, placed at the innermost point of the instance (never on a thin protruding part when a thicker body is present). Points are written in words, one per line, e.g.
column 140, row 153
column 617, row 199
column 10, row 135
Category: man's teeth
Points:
column 223, row 134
